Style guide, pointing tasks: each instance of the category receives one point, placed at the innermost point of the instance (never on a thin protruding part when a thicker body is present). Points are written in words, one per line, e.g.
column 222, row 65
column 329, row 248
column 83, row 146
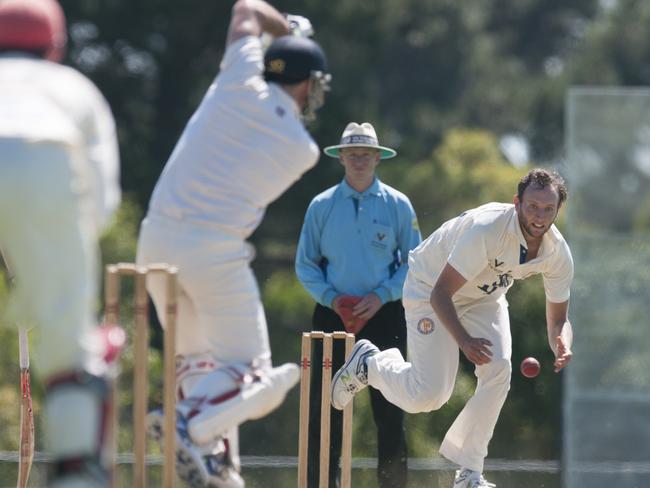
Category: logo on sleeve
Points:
column 426, row 326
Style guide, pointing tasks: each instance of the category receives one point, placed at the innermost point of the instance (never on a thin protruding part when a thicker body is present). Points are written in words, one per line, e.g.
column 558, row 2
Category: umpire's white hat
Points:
column 360, row 135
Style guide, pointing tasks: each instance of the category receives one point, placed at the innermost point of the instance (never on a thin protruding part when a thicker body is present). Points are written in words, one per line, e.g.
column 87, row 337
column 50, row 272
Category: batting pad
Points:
column 254, row 400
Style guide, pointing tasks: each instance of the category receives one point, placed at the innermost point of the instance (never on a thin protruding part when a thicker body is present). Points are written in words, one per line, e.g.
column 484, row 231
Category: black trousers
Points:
column 386, row 329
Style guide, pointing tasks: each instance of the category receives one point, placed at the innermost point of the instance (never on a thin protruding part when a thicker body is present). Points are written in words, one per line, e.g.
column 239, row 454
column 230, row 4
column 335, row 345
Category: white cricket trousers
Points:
column 49, row 239
column 219, row 306
column 426, row 382
column 220, row 311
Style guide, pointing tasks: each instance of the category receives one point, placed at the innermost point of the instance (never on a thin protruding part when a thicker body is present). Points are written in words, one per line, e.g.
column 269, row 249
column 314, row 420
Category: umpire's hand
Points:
column 367, row 307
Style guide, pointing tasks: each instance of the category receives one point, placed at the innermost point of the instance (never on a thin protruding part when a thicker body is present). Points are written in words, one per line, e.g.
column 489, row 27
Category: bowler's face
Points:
column 537, row 210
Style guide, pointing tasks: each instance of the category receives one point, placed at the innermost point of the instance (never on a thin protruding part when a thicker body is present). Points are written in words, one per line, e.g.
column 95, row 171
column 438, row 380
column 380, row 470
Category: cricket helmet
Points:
column 33, row 25
column 291, row 59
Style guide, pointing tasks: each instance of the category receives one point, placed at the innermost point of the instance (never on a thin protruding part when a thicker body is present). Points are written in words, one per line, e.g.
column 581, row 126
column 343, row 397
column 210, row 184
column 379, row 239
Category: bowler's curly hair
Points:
column 542, row 178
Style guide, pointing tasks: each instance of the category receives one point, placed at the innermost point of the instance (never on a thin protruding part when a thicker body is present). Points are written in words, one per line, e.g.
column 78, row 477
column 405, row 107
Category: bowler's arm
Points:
column 449, row 282
column 560, row 332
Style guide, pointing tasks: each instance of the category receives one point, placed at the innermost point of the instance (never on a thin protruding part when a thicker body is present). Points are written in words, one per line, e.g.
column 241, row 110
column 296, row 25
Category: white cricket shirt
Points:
column 46, row 103
column 242, row 148
column 486, row 246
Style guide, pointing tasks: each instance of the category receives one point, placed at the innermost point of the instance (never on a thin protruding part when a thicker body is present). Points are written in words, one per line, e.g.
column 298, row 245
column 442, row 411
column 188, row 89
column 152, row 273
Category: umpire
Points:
column 352, row 258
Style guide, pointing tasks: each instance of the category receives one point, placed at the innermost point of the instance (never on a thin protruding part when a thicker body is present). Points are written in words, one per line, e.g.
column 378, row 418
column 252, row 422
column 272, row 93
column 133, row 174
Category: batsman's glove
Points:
column 300, row 26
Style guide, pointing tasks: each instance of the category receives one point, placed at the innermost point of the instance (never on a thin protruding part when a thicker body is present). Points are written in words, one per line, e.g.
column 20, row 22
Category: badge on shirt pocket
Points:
column 382, row 237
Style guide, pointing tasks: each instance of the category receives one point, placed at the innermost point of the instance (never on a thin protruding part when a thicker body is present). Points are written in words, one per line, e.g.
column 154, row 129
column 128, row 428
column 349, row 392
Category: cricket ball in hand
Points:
column 529, row 367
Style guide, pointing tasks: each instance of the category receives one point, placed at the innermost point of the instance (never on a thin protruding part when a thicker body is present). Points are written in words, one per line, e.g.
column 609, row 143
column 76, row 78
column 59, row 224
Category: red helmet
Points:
column 33, row 25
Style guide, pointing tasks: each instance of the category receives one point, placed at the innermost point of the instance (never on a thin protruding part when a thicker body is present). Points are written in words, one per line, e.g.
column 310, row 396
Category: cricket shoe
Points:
column 466, row 478
column 199, row 469
column 353, row 375
column 189, row 458
column 221, row 470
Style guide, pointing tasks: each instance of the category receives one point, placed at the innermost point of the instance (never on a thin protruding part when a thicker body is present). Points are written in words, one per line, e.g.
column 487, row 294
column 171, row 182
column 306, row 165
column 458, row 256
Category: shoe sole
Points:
column 340, row 371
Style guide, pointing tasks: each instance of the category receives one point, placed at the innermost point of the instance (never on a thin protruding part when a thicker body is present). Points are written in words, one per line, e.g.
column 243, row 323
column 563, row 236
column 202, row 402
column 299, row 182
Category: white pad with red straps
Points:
column 232, row 395
column 189, row 371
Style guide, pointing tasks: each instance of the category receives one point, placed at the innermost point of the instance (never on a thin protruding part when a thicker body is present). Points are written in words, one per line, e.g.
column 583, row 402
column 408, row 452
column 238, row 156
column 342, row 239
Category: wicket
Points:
column 141, row 349
column 303, row 432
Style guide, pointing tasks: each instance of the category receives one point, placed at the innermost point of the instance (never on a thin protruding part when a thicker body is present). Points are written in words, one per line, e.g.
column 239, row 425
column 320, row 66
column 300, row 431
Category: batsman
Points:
column 243, row 147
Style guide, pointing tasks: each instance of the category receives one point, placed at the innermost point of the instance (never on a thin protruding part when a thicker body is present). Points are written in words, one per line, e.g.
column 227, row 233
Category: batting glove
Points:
column 300, row 26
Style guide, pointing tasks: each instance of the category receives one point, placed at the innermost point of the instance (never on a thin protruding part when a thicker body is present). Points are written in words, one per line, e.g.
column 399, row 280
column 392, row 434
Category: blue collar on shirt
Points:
column 348, row 192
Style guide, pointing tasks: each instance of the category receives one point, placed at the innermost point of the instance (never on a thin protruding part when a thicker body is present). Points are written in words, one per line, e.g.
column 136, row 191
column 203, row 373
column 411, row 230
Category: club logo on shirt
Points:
column 503, row 278
column 503, row 281
column 378, row 241
column 426, row 326
column 279, row 111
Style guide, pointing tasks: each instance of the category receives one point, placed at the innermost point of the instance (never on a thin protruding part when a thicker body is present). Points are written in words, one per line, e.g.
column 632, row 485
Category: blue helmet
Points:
column 292, row 59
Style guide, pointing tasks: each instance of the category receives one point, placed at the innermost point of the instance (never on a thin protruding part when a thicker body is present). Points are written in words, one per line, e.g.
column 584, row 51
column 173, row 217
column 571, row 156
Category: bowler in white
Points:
column 455, row 299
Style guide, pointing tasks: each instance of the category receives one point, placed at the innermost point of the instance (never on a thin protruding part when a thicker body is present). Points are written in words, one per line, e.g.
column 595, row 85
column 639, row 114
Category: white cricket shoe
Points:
column 466, row 478
column 353, row 375
column 221, row 472
column 197, row 468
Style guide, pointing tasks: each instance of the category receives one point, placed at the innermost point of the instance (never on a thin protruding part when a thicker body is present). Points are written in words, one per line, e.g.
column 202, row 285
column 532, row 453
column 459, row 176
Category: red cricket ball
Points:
column 529, row 367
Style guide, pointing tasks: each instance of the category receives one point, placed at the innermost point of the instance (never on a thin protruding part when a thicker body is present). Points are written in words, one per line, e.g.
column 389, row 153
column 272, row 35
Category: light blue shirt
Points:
column 355, row 243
